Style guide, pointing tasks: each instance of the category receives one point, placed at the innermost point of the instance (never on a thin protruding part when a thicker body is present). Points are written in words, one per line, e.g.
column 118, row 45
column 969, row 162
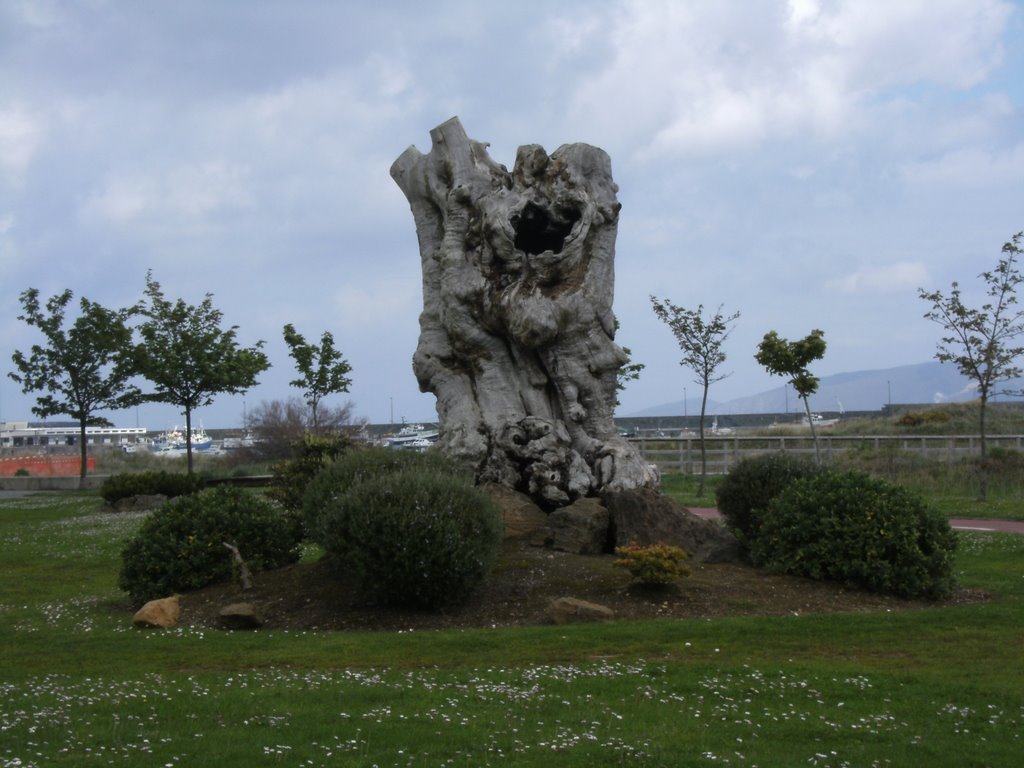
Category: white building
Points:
column 18, row 434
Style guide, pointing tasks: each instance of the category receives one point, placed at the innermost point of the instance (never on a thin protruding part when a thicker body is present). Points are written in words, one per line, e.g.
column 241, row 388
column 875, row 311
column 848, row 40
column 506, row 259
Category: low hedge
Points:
column 169, row 484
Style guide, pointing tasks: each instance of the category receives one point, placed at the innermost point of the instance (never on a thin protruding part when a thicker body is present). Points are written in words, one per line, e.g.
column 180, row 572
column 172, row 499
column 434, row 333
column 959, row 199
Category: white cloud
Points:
column 891, row 278
column 716, row 77
column 174, row 197
column 7, row 249
column 337, row 107
column 21, row 134
column 367, row 303
column 969, row 167
column 304, row 150
column 952, row 43
column 38, row 13
column 762, row 148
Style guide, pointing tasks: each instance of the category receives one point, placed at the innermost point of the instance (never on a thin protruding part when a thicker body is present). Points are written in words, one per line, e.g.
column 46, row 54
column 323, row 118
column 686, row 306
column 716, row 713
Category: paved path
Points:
column 959, row 523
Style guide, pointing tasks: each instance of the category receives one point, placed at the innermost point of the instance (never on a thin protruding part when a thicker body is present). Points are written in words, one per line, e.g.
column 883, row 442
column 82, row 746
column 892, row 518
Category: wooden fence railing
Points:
column 682, row 454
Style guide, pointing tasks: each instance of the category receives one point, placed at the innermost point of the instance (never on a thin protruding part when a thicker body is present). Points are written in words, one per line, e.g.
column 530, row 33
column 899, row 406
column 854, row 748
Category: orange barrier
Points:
column 44, row 466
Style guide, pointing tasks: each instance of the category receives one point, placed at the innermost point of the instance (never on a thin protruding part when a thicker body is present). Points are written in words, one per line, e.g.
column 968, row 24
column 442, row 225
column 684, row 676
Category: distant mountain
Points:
column 930, row 382
column 677, row 408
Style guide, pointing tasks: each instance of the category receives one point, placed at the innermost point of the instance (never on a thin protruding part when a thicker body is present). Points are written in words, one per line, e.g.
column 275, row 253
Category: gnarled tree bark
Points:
column 517, row 332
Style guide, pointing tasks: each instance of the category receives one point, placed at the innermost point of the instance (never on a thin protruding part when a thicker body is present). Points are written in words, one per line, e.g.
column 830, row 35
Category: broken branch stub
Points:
column 517, row 332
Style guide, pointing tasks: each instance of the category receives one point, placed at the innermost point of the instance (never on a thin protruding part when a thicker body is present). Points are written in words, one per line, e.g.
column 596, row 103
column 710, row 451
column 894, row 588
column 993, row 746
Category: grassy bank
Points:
column 953, row 489
column 941, row 686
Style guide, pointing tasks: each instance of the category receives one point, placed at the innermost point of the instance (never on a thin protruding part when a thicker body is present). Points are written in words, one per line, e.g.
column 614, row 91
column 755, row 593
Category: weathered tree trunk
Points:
column 244, row 576
column 516, row 335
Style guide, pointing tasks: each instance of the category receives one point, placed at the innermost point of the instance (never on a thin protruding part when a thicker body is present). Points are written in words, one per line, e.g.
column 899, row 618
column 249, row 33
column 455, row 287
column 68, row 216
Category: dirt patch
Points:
column 526, row 579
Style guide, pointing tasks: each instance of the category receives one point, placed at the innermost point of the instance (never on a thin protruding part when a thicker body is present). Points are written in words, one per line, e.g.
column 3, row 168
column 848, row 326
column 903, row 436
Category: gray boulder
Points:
column 580, row 528
column 645, row 516
column 522, row 518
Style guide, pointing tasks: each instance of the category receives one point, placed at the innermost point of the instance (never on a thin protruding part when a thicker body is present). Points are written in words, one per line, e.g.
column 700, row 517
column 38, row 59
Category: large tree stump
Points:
column 517, row 332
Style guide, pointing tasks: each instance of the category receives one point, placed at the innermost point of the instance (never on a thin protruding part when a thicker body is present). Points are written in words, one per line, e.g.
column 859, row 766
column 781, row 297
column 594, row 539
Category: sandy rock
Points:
column 570, row 610
column 162, row 613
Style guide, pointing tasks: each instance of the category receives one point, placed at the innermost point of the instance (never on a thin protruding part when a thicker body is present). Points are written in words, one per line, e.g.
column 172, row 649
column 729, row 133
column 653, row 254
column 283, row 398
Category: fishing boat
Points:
column 173, row 441
column 413, row 437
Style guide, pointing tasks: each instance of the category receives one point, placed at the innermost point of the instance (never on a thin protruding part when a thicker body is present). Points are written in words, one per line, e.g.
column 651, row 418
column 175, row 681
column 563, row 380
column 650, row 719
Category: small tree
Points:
column 189, row 358
column 322, row 368
column 628, row 371
column 701, row 343
column 84, row 369
column 791, row 358
column 280, row 425
column 980, row 342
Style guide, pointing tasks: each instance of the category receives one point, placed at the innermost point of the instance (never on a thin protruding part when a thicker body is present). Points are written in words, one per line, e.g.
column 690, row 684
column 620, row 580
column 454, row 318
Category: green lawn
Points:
column 80, row 687
column 1005, row 500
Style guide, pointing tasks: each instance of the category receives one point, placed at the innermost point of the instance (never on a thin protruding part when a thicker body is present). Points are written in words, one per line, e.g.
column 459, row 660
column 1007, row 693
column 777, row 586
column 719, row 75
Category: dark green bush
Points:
column 744, row 493
column 290, row 477
column 854, row 529
column 1004, row 461
column 336, row 477
column 412, row 536
column 181, row 545
column 169, row 484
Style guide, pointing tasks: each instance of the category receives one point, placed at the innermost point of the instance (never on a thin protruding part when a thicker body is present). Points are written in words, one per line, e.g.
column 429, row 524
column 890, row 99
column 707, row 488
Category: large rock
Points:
column 162, row 613
column 580, row 528
column 240, row 616
column 644, row 516
column 570, row 610
column 522, row 518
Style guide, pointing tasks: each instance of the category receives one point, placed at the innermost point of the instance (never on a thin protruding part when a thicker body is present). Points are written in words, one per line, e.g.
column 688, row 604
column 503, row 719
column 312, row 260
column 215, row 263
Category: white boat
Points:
column 247, row 440
column 716, row 430
column 414, row 437
column 819, row 421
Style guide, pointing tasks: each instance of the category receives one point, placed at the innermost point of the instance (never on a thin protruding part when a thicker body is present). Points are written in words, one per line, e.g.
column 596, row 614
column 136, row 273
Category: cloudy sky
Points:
column 809, row 164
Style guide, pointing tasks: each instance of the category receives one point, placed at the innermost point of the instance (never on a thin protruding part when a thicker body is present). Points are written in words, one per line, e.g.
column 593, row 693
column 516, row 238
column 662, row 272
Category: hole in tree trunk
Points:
column 537, row 230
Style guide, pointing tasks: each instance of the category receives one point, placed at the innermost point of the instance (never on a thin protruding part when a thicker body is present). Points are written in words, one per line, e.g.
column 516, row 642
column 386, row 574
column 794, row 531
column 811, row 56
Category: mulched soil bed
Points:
column 526, row 579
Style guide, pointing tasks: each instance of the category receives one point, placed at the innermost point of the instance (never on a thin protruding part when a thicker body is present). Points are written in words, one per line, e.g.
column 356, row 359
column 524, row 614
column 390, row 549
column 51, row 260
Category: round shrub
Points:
column 181, row 545
column 336, row 477
column 169, row 484
column 851, row 528
column 412, row 537
column 744, row 493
